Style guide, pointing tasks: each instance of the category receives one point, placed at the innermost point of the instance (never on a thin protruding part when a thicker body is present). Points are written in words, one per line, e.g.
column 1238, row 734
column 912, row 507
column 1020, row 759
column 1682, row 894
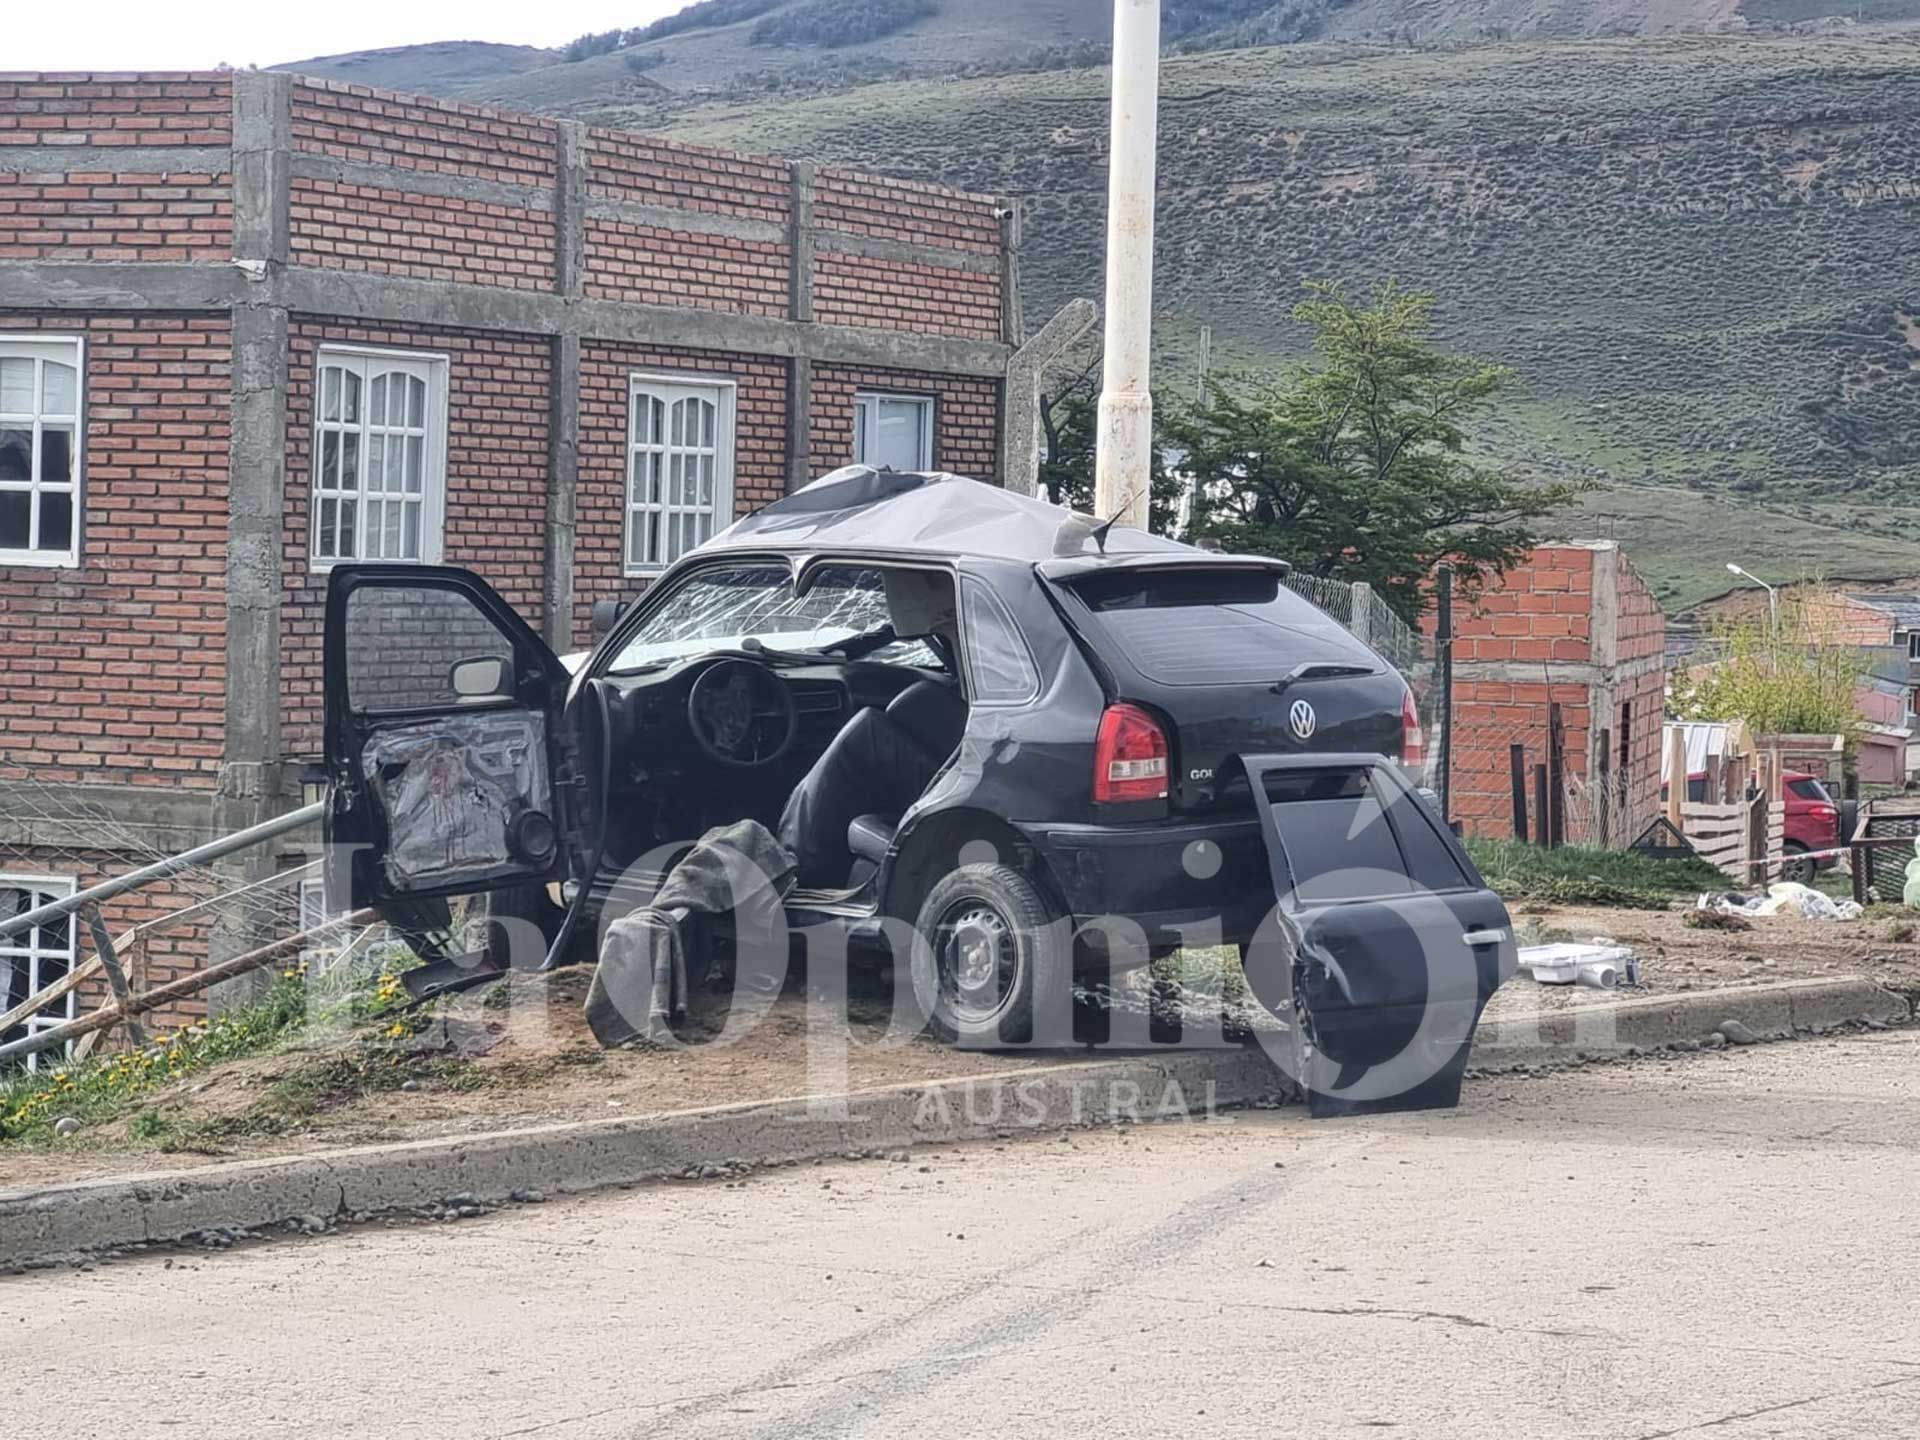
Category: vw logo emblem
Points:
column 1301, row 718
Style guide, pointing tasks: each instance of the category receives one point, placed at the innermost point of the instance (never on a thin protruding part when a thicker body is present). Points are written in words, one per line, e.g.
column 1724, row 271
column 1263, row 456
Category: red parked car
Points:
column 1813, row 821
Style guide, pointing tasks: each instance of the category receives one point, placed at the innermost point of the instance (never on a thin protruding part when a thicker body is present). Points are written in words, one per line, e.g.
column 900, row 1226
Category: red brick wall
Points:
column 1488, row 717
column 1537, row 611
column 100, row 215
column 497, row 422
column 905, row 210
column 966, row 417
column 427, row 237
column 888, row 295
column 759, row 460
column 105, row 109
column 351, row 122
column 622, row 165
column 704, row 272
column 116, row 669
column 1539, row 616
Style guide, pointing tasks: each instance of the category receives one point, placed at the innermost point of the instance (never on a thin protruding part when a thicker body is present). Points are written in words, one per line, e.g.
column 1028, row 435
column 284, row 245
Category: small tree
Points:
column 1798, row 677
column 1355, row 467
column 1070, row 428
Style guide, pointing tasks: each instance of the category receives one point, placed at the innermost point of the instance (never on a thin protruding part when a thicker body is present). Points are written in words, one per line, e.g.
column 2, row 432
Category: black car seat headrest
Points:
column 935, row 715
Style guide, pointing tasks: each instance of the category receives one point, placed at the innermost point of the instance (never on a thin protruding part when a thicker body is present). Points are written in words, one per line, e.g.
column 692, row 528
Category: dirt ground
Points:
column 1881, row 946
column 497, row 1060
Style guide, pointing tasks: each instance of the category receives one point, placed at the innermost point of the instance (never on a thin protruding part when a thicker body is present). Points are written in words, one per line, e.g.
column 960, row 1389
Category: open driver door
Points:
column 447, row 766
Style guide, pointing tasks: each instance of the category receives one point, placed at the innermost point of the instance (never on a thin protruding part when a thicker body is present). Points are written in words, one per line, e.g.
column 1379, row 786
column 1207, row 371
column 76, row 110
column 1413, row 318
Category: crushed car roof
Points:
column 860, row 507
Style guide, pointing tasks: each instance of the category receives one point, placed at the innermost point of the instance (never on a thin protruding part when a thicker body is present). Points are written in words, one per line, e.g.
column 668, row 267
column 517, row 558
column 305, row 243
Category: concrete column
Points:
column 799, row 422
column 251, row 785
column 563, row 481
column 563, row 415
column 800, row 240
column 570, row 210
column 1012, row 326
column 1020, row 402
column 1361, row 622
column 801, row 245
column 1603, row 650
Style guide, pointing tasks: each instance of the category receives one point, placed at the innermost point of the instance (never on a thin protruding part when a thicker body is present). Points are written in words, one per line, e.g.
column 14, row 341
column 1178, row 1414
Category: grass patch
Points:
column 104, row 1089
column 1576, row 875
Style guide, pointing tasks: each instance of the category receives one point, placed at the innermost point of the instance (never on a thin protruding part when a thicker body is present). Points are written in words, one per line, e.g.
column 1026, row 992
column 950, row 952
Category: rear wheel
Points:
column 1797, row 868
column 994, row 956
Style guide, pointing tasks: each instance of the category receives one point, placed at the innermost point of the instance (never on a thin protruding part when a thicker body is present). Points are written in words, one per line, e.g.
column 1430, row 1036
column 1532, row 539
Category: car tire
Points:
column 982, row 916
column 1799, row 871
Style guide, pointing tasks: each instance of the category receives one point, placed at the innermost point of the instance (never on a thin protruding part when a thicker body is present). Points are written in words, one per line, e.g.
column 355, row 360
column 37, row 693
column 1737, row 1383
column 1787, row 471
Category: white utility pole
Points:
column 1124, row 456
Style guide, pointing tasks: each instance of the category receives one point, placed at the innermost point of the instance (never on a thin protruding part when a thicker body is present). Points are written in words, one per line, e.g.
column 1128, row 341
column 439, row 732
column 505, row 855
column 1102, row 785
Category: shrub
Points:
column 1580, row 875
column 707, row 15
column 833, row 23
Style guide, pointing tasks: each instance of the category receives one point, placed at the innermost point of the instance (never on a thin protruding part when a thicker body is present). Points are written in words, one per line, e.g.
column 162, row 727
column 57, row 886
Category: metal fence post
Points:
column 1443, row 655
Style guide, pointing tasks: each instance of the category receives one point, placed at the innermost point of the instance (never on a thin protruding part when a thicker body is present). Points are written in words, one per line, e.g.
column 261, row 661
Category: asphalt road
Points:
column 1720, row 1246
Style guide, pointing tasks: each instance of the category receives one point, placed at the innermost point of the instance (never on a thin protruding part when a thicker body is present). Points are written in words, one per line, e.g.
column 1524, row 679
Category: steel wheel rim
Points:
column 976, row 960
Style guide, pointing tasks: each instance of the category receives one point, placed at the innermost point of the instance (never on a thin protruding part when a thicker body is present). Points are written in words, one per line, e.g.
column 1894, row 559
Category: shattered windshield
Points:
column 719, row 606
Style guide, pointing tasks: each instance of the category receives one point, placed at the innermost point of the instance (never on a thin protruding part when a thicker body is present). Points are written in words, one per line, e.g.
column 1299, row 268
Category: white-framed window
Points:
column 379, row 456
column 1913, row 645
column 893, row 432
column 40, row 462
column 32, row 960
column 679, row 466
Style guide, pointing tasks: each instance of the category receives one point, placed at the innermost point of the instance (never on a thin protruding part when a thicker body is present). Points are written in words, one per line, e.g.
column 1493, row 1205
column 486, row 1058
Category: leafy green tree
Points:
column 1069, row 431
column 1795, row 677
column 1356, row 466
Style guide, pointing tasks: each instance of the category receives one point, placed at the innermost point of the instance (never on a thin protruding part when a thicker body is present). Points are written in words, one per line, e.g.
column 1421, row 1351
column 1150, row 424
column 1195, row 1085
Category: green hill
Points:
column 1701, row 253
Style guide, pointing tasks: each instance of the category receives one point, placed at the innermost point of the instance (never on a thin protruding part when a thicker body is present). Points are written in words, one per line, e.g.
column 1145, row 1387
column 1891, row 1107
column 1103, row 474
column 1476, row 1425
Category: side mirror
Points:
column 481, row 678
column 606, row 614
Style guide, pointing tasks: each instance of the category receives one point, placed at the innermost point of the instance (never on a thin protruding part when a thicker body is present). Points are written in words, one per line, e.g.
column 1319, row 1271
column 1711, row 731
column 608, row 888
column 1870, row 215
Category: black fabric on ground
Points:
column 640, row 985
column 879, row 764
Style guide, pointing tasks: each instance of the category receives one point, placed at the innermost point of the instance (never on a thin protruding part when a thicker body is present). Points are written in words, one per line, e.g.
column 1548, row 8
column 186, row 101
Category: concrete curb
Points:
column 589, row 1155
column 1650, row 1022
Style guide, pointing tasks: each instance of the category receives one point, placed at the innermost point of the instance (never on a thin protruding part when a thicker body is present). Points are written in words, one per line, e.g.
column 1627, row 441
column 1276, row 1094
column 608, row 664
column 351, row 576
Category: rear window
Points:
column 1810, row 789
column 1350, row 836
column 1212, row 627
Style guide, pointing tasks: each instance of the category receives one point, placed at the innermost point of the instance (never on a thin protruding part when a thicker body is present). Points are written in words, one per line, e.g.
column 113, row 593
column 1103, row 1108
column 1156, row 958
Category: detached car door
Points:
column 1385, row 944
column 443, row 745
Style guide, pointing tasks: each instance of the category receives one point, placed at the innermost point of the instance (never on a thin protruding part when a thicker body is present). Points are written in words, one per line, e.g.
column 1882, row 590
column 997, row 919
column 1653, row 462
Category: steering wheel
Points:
column 742, row 714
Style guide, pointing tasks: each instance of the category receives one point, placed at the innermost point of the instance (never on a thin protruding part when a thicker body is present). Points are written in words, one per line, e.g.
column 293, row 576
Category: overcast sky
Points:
column 158, row 35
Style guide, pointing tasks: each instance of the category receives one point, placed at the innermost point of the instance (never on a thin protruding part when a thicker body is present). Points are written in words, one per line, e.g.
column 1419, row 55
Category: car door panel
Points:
column 436, row 792
column 1384, row 945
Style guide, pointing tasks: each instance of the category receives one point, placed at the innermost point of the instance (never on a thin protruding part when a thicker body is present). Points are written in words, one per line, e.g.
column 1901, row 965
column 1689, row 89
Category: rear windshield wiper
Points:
column 1319, row 670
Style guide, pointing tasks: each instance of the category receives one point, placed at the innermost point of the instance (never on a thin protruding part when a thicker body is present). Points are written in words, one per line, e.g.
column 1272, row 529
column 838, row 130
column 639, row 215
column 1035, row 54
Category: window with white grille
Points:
column 31, row 960
column 893, row 432
column 40, row 385
column 379, row 456
column 679, row 467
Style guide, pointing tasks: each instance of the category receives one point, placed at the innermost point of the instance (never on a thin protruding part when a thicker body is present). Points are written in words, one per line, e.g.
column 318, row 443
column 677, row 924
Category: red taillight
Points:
column 1130, row 756
column 1413, row 740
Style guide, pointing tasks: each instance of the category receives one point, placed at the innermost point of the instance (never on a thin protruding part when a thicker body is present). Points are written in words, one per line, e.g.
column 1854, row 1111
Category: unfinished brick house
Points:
column 1572, row 625
column 252, row 325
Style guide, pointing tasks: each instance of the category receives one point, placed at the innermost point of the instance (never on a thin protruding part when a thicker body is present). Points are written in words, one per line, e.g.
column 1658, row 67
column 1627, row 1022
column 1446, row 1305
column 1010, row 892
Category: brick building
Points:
column 1572, row 625
column 252, row 325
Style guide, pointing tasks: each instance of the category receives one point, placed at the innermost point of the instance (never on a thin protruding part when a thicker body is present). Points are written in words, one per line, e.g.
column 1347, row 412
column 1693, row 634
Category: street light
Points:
column 1773, row 596
column 1123, row 458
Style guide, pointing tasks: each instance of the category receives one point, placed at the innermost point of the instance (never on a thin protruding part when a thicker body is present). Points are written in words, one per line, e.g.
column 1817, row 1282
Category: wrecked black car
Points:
column 1049, row 747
